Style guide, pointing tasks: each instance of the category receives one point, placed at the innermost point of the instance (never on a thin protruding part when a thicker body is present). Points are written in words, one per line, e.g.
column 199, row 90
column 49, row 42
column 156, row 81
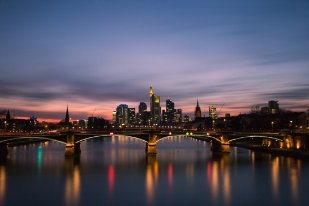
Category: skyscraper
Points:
column 198, row 112
column 164, row 117
column 170, row 112
column 131, row 116
column 213, row 112
column 122, row 114
column 273, row 107
column 142, row 107
column 178, row 116
column 155, row 107
column 141, row 117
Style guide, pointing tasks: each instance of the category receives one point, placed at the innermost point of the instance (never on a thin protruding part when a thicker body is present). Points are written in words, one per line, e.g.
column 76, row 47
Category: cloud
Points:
column 301, row 93
column 236, row 53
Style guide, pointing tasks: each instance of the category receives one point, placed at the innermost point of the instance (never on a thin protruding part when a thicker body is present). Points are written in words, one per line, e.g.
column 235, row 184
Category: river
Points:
column 116, row 171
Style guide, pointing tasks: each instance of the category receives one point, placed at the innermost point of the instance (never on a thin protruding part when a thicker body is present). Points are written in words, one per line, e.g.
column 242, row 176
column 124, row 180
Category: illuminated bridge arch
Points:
column 205, row 136
column 208, row 137
column 97, row 136
column 169, row 136
column 32, row 137
column 256, row 137
column 92, row 137
column 137, row 138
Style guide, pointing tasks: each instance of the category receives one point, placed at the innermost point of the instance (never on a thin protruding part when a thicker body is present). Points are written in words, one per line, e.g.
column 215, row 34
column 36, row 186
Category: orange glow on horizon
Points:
column 82, row 109
column 107, row 114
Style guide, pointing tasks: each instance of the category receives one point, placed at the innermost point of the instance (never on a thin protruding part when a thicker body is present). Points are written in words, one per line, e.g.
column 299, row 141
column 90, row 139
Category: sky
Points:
column 96, row 54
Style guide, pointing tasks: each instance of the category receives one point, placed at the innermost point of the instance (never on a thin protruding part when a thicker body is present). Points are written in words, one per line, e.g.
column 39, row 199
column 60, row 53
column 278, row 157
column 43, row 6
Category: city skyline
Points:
column 233, row 53
column 204, row 112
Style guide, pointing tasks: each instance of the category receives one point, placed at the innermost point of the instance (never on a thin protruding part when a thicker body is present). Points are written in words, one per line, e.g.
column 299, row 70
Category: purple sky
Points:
column 95, row 55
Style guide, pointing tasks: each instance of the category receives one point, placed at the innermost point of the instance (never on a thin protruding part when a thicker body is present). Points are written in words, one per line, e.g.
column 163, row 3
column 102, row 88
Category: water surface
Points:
column 116, row 171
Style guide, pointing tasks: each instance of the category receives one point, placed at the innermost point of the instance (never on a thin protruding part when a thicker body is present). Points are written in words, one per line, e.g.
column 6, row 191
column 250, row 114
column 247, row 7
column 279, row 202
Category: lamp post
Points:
column 291, row 126
column 272, row 125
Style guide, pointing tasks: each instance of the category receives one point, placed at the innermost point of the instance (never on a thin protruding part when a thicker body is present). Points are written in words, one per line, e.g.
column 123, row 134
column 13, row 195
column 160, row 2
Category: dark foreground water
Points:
column 116, row 171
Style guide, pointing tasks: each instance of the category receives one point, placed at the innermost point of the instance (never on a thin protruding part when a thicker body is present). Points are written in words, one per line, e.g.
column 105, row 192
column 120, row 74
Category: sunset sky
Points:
column 94, row 55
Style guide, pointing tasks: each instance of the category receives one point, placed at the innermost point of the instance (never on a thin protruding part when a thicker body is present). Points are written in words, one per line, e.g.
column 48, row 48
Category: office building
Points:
column 122, row 114
column 178, row 116
column 273, row 107
column 131, row 117
column 213, row 112
column 170, row 112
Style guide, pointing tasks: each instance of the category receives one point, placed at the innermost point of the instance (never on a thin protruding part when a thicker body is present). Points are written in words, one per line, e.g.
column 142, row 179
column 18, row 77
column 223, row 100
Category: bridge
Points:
column 220, row 142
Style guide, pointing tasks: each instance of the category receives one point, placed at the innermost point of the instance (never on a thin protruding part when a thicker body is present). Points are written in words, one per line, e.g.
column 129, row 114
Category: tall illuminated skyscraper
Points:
column 155, row 107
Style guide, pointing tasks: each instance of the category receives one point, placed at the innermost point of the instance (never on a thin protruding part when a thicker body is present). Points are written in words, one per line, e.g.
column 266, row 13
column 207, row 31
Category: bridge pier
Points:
column 151, row 145
column 218, row 147
column 151, row 148
column 71, row 148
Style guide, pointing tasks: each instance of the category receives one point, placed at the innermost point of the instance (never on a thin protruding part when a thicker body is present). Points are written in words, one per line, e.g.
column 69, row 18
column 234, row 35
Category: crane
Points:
column 221, row 108
column 93, row 111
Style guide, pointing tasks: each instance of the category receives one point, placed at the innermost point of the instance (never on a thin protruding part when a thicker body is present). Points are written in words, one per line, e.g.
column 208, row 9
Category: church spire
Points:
column 8, row 116
column 67, row 116
column 198, row 112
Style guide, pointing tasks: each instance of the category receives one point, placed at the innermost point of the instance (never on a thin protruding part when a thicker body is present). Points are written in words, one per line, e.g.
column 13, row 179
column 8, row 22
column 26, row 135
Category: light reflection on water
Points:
column 72, row 183
column 2, row 184
column 275, row 177
column 116, row 171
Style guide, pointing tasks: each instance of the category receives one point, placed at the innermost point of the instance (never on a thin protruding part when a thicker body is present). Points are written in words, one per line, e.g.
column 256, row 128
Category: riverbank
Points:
column 275, row 151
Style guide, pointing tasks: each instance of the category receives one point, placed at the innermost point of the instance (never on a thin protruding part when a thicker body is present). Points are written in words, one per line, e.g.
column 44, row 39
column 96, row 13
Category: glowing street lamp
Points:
column 272, row 125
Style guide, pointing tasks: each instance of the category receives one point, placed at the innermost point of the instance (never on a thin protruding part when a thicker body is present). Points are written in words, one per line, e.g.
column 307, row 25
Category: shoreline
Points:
column 270, row 150
column 276, row 151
